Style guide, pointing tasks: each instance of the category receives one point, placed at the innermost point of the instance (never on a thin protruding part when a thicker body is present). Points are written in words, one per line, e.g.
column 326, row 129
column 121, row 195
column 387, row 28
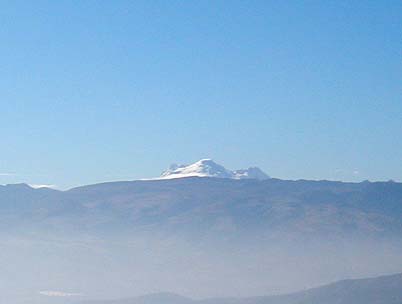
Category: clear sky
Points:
column 108, row 90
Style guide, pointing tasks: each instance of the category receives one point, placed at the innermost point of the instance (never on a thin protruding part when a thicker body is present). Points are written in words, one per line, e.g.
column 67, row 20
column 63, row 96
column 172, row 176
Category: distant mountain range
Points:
column 208, row 168
column 379, row 290
column 203, row 235
column 211, row 204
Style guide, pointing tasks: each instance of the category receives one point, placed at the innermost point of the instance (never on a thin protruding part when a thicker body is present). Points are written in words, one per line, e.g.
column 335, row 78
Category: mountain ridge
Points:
column 385, row 289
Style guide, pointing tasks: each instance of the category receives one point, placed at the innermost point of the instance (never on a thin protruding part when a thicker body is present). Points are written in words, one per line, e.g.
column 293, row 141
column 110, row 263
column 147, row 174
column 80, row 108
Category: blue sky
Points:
column 106, row 90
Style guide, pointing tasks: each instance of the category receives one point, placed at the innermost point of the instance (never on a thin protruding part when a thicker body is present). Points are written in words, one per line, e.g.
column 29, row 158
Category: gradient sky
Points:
column 108, row 90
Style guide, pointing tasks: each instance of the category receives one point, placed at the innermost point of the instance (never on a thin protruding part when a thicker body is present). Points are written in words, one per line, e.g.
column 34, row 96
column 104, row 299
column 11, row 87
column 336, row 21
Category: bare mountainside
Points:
column 205, row 204
column 198, row 236
column 379, row 290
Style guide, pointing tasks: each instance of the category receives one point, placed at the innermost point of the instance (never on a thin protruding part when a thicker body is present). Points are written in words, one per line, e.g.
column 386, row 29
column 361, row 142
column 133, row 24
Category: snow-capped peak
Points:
column 208, row 168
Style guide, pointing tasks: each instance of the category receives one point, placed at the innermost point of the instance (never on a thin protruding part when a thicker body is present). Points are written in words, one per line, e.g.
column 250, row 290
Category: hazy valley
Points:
column 199, row 237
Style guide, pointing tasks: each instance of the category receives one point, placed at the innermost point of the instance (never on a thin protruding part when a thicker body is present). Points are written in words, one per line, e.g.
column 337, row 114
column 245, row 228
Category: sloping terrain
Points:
column 380, row 290
column 195, row 236
column 202, row 204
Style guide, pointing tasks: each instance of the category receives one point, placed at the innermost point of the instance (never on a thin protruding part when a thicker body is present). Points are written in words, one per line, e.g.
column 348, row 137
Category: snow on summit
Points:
column 208, row 168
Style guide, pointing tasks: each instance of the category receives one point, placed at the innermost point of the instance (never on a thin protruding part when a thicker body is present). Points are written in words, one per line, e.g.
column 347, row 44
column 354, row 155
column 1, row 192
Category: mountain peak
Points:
column 208, row 168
